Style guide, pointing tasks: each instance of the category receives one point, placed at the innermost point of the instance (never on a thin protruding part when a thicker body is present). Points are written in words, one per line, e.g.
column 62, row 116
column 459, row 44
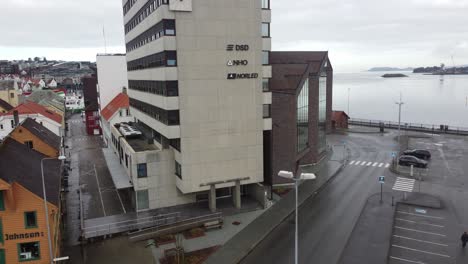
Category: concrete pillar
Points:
column 236, row 195
column 212, row 198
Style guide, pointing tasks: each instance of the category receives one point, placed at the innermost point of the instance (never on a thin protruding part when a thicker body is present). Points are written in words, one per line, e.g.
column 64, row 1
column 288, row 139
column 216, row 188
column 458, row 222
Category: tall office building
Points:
column 199, row 92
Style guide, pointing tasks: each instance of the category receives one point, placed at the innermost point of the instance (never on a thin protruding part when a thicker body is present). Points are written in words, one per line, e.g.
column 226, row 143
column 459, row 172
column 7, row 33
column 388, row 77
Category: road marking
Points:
column 404, row 184
column 422, row 251
column 388, row 165
column 357, row 163
column 380, row 165
column 99, row 189
column 419, row 223
column 422, row 241
column 407, row 260
column 375, row 164
column 352, row 162
column 369, row 163
column 419, row 231
column 428, row 216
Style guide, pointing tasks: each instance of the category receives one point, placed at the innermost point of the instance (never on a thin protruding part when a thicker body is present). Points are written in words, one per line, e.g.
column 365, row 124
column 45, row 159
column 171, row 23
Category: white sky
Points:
column 359, row 34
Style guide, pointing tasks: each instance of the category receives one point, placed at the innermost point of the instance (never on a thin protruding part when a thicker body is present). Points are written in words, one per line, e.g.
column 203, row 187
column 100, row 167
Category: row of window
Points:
column 128, row 6
column 164, row 28
column 266, row 30
column 266, row 110
column 161, row 59
column 144, row 12
column 163, row 88
column 265, row 4
column 167, row 117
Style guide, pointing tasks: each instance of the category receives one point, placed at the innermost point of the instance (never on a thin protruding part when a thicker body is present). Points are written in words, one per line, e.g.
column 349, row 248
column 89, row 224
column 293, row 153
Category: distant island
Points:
column 394, row 75
column 442, row 70
column 377, row 69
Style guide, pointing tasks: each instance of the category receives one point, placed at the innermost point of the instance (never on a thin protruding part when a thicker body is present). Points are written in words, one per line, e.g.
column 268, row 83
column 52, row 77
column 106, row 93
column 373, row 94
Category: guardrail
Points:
column 436, row 129
column 176, row 226
column 128, row 225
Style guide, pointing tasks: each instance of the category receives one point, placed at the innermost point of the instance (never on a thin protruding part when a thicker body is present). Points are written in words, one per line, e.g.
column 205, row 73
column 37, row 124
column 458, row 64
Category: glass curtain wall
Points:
column 302, row 121
column 322, row 116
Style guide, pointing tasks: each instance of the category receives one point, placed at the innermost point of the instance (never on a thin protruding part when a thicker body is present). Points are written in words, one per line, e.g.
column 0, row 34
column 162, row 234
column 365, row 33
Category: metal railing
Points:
column 410, row 126
column 128, row 225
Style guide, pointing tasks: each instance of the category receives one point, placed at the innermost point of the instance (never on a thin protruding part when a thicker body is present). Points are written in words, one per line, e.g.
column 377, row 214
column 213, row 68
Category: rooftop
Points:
column 21, row 164
column 7, row 84
column 139, row 142
column 29, row 107
column 5, row 105
column 41, row 132
column 120, row 101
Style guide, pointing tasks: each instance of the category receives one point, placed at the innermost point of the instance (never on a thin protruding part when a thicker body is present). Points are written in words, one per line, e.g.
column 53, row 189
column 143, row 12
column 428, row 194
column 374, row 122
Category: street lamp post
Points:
column 400, row 103
column 46, row 208
column 303, row 176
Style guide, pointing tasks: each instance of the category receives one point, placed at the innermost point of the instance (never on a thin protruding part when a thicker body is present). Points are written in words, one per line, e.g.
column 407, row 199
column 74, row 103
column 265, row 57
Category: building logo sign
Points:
column 235, row 76
column 16, row 236
column 237, row 63
column 235, row 47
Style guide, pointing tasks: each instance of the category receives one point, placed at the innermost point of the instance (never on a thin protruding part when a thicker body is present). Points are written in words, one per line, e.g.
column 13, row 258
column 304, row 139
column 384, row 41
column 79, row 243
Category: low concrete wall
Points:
column 258, row 192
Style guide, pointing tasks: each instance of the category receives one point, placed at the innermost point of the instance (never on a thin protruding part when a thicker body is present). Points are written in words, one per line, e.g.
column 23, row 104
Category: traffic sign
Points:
column 382, row 179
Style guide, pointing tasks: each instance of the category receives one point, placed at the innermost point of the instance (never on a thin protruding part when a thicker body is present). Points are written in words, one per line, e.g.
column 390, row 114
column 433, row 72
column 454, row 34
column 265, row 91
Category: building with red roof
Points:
column 117, row 111
column 50, row 120
column 339, row 119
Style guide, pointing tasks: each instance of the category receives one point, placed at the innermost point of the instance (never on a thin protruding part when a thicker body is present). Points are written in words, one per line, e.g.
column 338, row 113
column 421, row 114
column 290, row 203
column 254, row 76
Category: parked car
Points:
column 418, row 153
column 407, row 160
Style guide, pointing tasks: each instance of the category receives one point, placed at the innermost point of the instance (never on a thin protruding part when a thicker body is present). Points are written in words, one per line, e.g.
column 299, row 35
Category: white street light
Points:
column 400, row 103
column 46, row 208
column 302, row 176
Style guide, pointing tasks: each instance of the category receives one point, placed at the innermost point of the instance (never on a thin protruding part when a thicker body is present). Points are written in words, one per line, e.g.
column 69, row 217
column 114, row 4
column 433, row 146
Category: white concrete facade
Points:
column 221, row 121
column 112, row 77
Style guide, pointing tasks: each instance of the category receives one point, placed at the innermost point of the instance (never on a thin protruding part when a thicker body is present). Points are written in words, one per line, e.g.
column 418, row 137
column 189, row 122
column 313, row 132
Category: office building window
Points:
column 266, row 111
column 2, row 201
column 142, row 200
column 30, row 220
column 168, row 117
column 178, row 170
column 164, row 28
column 265, row 57
column 161, row 59
column 141, row 170
column 175, row 143
column 12, row 123
column 302, row 121
column 322, row 114
column 120, row 112
column 1, row 127
column 127, row 111
column 126, row 160
column 266, row 85
column 29, row 251
column 266, row 30
column 265, row 4
column 163, row 88
column 143, row 13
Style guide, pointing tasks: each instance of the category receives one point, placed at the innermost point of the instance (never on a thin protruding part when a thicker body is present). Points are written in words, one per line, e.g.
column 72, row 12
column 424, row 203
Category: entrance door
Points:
column 2, row 256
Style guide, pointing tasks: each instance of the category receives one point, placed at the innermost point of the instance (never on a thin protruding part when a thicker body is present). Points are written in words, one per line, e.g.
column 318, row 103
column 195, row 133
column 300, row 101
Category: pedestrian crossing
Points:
column 404, row 184
column 369, row 163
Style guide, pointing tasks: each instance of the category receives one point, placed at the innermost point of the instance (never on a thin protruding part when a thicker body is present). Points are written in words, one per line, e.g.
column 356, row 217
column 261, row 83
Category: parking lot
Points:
column 421, row 235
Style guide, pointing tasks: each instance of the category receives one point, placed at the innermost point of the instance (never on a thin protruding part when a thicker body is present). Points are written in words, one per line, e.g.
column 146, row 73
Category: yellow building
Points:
column 9, row 92
column 23, row 230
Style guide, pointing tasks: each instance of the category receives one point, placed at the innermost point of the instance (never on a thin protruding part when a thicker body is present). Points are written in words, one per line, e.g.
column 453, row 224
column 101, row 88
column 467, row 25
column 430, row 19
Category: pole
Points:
column 400, row 103
column 46, row 211
column 296, row 233
column 381, row 189
column 349, row 91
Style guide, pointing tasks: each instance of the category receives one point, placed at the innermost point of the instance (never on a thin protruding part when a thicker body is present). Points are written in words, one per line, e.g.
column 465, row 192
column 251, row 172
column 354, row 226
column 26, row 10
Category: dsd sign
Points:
column 234, row 76
column 233, row 47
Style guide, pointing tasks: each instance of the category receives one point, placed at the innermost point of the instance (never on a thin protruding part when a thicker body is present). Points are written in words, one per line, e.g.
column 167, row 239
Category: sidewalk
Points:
column 247, row 239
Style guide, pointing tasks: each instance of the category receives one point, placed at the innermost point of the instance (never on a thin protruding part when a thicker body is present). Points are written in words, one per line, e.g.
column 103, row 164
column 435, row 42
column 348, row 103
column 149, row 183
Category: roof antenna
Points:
column 104, row 36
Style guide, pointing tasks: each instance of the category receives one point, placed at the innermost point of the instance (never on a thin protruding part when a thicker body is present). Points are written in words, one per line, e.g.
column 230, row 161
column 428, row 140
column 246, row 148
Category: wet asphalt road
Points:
column 327, row 220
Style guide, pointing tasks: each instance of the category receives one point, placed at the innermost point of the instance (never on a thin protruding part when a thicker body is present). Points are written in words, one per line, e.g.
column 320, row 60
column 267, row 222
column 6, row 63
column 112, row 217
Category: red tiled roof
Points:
column 120, row 101
column 29, row 107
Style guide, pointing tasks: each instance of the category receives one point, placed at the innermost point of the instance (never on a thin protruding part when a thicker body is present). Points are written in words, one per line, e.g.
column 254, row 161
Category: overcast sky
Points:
column 359, row 34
